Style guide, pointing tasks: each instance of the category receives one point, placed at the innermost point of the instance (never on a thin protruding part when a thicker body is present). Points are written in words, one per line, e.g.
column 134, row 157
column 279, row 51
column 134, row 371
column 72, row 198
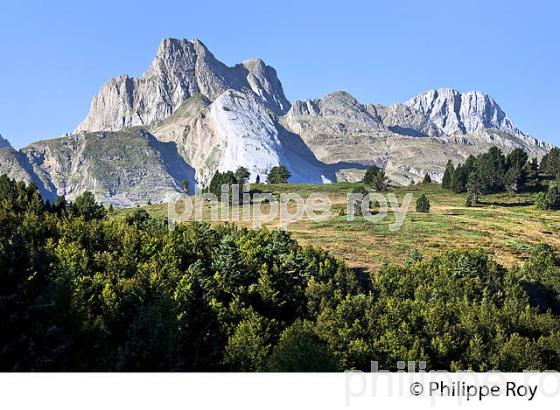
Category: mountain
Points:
column 189, row 115
column 181, row 69
column 410, row 139
column 235, row 130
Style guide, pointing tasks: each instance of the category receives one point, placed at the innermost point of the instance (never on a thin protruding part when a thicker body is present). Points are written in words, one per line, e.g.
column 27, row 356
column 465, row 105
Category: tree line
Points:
column 493, row 172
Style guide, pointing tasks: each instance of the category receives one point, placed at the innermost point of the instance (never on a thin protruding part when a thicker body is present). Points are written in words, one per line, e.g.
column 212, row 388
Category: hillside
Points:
column 506, row 225
column 85, row 290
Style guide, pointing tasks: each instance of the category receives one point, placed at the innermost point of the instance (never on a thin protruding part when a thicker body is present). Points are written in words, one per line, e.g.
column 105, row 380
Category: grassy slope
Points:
column 505, row 224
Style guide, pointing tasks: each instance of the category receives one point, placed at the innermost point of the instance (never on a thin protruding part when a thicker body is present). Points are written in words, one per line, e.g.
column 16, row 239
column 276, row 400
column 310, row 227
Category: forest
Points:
column 84, row 290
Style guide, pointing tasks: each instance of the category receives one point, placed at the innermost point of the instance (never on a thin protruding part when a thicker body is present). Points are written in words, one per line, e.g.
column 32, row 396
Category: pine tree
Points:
column 514, row 180
column 85, row 206
column 550, row 163
column 532, row 169
column 491, row 168
column 474, row 188
column 447, row 175
column 185, row 185
column 242, row 175
column 553, row 196
column 459, row 179
column 427, row 179
column 375, row 177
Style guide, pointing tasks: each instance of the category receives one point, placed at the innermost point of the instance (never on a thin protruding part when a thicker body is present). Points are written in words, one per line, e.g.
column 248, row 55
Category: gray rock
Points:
column 125, row 168
column 237, row 130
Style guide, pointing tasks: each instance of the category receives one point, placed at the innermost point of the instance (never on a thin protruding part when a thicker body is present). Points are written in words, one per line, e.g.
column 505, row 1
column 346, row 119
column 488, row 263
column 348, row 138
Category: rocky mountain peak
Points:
column 465, row 113
column 180, row 70
column 4, row 142
column 339, row 104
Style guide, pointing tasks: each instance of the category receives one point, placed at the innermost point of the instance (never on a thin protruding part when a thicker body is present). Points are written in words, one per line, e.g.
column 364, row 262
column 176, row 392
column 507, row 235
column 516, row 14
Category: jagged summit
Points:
column 465, row 113
column 4, row 142
column 180, row 69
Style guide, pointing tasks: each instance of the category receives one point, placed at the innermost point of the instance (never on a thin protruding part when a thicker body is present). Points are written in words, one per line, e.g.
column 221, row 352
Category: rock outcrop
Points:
column 124, row 168
column 232, row 131
column 15, row 165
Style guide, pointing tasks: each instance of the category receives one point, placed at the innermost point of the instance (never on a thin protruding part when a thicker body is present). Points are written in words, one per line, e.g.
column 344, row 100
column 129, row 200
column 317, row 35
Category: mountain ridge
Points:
column 189, row 115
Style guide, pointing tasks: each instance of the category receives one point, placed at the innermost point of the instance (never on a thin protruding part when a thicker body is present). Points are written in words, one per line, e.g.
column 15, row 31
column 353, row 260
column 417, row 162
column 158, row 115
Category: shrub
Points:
column 553, row 196
column 423, row 204
column 540, row 201
column 361, row 190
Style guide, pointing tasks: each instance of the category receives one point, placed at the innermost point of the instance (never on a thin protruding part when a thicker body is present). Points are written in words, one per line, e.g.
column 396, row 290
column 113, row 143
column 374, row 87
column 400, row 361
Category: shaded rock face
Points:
column 404, row 120
column 181, row 69
column 14, row 165
column 4, row 142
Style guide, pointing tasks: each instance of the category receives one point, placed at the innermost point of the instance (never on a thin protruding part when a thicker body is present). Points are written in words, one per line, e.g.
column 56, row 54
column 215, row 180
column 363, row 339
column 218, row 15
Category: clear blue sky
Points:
column 55, row 55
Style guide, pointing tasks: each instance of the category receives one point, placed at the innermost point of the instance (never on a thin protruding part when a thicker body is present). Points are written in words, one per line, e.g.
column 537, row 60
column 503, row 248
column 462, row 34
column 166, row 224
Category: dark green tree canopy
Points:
column 447, row 175
column 550, row 163
column 375, row 178
column 123, row 293
column 85, row 206
column 494, row 172
column 278, row 175
column 242, row 175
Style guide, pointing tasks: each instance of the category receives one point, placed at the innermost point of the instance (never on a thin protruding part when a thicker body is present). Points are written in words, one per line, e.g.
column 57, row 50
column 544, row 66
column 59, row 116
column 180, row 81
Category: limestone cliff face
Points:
column 14, row 165
column 4, row 142
column 181, row 69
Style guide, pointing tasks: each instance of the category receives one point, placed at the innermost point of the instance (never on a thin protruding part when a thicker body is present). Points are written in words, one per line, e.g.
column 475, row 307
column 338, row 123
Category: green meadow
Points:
column 507, row 225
